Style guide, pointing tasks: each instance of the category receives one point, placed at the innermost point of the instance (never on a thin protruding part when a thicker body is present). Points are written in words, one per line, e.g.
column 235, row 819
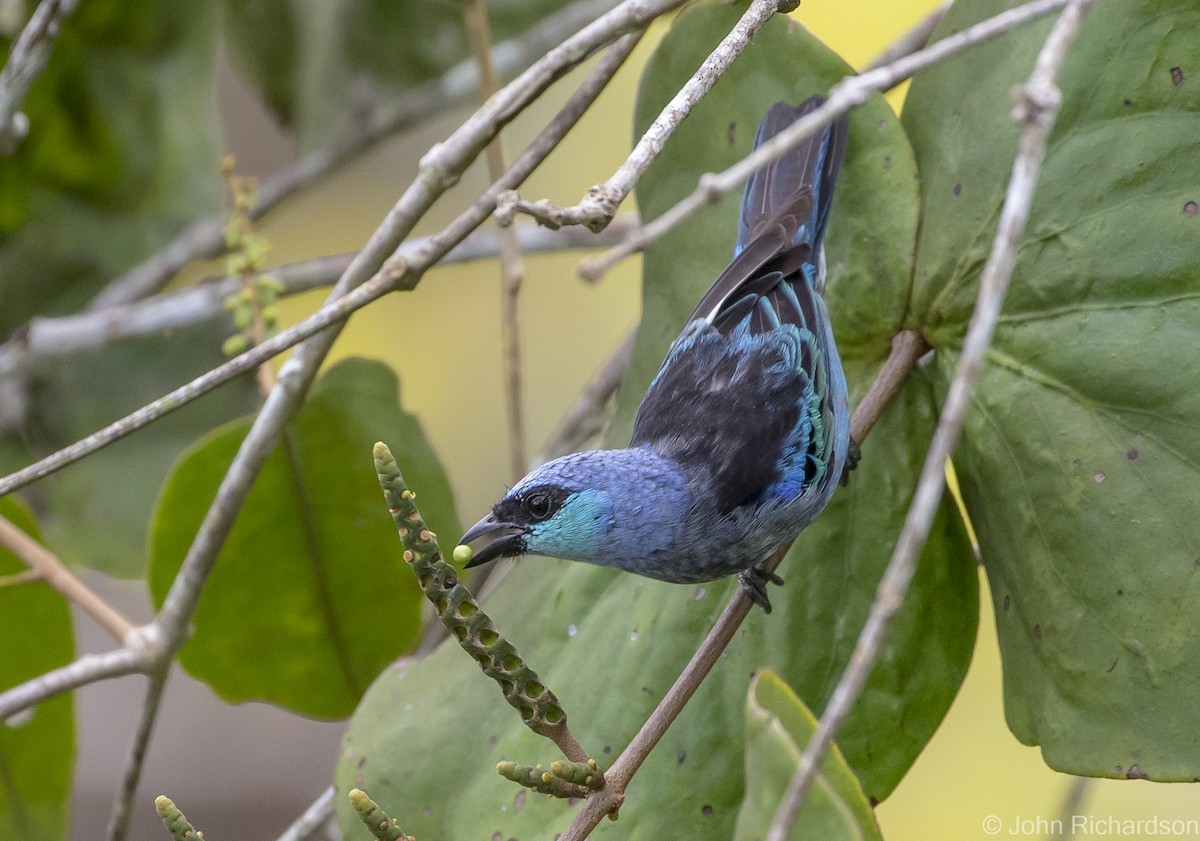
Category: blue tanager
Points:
column 745, row 431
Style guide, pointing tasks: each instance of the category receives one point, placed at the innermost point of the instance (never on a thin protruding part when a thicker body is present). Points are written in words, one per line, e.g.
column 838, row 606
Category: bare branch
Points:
column 333, row 313
column 118, row 820
column 1036, row 110
column 851, row 91
column 27, row 58
column 48, row 568
column 512, row 270
column 601, row 201
column 907, row 348
column 1072, row 804
column 45, row 339
column 87, row 669
column 16, row 579
column 459, row 86
column 914, row 39
column 316, row 819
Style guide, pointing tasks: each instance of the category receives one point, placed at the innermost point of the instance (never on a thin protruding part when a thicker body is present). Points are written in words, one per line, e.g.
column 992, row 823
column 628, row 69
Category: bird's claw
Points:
column 853, row 457
column 754, row 581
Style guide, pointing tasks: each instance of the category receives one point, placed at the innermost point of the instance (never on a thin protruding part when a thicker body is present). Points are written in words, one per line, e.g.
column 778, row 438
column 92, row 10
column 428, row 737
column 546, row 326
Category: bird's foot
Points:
column 754, row 581
column 853, row 457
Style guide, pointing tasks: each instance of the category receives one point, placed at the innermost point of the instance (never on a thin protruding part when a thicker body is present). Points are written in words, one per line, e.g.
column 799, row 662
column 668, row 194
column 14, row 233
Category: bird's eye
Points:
column 539, row 505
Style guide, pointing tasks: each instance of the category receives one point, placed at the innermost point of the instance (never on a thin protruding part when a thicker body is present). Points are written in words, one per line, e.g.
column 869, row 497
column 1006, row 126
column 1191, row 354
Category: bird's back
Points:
column 751, row 398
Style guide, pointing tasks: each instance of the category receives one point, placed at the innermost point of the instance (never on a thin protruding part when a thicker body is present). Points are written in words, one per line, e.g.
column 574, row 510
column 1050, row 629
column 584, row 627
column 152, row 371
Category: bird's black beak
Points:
column 493, row 538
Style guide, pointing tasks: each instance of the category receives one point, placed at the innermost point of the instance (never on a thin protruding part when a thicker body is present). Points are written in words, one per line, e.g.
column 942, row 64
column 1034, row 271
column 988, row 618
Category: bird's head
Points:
column 549, row 512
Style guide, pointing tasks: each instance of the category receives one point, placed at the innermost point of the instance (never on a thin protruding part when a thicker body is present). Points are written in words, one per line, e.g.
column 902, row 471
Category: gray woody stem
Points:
column 457, row 87
column 512, row 268
column 47, row 339
column 26, row 60
column 1038, row 104
column 600, row 203
column 851, row 91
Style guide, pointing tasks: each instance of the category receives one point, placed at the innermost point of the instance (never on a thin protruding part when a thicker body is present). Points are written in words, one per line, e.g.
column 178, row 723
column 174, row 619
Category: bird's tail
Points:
column 811, row 166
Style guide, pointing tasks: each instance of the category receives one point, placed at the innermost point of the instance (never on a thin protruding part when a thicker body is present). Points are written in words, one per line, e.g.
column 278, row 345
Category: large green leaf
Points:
column 309, row 599
column 610, row 644
column 310, row 58
column 37, row 747
column 778, row 726
column 1080, row 460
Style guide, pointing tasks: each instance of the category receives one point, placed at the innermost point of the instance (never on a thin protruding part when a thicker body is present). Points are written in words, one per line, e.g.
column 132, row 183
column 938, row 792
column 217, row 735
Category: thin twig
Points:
column 85, row 670
column 436, row 174
column 851, row 91
column 1072, row 804
column 48, row 568
column 46, row 339
column 316, row 818
column 914, row 39
column 584, row 419
column 601, row 201
column 330, row 314
column 27, row 58
column 122, row 810
column 512, row 270
column 16, row 579
column 907, row 348
column 457, row 87
column 1036, row 110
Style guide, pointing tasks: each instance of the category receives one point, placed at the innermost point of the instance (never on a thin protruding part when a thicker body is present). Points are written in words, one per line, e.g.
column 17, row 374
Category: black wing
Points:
column 735, row 395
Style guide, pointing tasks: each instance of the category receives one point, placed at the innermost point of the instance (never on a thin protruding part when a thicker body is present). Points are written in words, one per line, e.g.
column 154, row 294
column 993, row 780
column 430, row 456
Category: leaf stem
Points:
column 47, row 567
column 914, row 39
